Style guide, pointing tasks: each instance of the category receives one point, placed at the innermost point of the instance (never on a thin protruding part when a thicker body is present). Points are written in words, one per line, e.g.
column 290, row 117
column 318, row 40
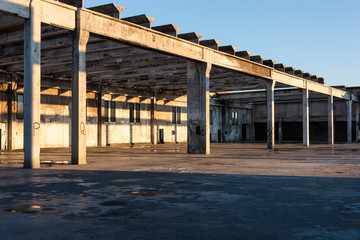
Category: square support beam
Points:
column 198, row 107
column 270, row 113
column 32, row 82
column 306, row 121
column 101, row 113
column 357, row 106
column 349, row 121
column 153, row 121
column 78, row 98
column 331, row 119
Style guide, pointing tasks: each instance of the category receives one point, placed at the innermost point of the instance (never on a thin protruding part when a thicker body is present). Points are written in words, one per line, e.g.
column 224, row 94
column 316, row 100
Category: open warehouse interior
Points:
column 77, row 77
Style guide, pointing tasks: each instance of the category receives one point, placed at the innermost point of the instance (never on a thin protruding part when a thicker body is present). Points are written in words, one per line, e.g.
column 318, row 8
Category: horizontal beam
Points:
column 144, row 37
column 58, row 14
column 16, row 7
column 52, row 12
column 312, row 86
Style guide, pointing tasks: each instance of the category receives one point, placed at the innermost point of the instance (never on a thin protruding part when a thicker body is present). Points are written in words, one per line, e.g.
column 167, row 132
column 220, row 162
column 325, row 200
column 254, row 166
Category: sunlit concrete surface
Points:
column 240, row 191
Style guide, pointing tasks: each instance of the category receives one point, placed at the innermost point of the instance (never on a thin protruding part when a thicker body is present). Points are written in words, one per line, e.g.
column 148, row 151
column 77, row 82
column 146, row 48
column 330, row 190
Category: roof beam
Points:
column 62, row 15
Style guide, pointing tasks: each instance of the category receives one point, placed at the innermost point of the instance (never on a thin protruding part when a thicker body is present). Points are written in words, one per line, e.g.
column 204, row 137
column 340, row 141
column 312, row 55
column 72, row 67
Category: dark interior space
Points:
column 318, row 132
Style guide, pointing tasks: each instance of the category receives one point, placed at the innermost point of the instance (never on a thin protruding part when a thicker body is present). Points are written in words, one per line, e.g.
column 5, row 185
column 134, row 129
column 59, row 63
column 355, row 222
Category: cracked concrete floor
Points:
column 240, row 191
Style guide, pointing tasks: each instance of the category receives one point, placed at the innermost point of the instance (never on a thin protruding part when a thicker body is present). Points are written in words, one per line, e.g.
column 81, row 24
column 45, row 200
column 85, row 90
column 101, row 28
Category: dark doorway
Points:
column 243, row 132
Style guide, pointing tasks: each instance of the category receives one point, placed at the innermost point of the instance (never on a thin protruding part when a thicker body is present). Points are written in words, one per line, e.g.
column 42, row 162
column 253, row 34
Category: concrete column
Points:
column 32, row 81
column 357, row 105
column 153, row 119
column 270, row 113
column 349, row 121
column 78, row 143
column 9, row 93
column 198, row 107
column 101, row 112
column 331, row 119
column 306, row 121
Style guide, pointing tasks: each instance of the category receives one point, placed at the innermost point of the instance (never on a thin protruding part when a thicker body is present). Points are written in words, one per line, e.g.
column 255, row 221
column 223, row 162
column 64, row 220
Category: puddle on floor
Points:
column 87, row 184
column 32, row 208
column 148, row 193
column 113, row 203
column 55, row 162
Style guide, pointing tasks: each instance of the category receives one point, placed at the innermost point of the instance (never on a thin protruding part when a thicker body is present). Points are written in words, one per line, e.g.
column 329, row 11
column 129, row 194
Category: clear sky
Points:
column 317, row 36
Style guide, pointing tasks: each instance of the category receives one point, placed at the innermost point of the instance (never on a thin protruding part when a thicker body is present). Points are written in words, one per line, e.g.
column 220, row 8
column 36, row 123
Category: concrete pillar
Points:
column 153, row 119
column 9, row 93
column 331, row 119
column 349, row 121
column 270, row 113
column 101, row 113
column 306, row 121
column 357, row 105
column 78, row 142
column 198, row 107
column 32, row 79
column 280, row 132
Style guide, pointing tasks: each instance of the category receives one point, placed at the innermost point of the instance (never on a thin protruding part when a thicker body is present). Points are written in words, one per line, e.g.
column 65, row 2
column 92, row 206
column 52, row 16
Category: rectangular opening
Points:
column 178, row 116
column 20, row 106
column 174, row 115
column 244, row 137
column 234, row 118
column 138, row 112
column 113, row 111
column 211, row 117
column 106, row 115
column 198, row 130
column 131, row 108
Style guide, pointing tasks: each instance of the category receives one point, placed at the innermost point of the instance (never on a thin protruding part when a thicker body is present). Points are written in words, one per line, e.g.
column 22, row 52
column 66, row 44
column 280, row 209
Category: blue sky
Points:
column 319, row 36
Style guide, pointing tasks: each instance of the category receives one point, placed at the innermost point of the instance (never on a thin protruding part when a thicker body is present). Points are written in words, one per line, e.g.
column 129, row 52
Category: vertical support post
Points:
column 198, row 107
column 10, row 92
column 331, row 119
column 306, row 121
column 357, row 105
column 270, row 113
column 349, row 121
column 153, row 119
column 280, row 132
column 78, row 143
column 32, row 81
column 100, row 111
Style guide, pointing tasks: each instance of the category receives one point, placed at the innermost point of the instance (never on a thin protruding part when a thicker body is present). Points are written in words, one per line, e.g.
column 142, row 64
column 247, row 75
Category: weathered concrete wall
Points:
column 56, row 119
column 122, row 131
column 222, row 116
column 216, row 131
column 292, row 112
column 3, row 117
column 290, row 115
column 163, row 120
column 91, row 119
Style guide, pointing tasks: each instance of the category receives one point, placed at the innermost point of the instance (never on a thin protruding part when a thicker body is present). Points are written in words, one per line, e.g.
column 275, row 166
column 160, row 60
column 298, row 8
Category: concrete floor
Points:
column 240, row 191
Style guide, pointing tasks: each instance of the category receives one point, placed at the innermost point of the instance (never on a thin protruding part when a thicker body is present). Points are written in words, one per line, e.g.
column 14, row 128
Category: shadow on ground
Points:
column 72, row 204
